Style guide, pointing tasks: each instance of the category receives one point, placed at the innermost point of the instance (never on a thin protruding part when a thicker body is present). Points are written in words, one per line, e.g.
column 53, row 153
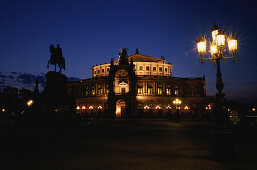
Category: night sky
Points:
column 92, row 32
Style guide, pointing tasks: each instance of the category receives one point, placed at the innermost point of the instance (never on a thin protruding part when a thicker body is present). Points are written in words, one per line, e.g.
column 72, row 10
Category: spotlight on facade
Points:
column 3, row 110
column 91, row 107
column 253, row 109
column 83, row 108
column 30, row 102
column 99, row 107
column 186, row 108
column 78, row 108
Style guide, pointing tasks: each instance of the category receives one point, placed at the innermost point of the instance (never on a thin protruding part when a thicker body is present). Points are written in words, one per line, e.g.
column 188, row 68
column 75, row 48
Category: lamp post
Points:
column 78, row 109
column 30, row 102
column 147, row 110
column 99, row 111
column 177, row 102
column 218, row 53
column 223, row 146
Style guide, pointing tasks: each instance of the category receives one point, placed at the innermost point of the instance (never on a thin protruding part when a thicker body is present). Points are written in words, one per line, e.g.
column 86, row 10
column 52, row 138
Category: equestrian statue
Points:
column 56, row 57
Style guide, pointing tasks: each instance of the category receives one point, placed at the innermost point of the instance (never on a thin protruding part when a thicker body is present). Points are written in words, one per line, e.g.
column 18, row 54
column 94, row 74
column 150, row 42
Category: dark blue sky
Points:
column 92, row 32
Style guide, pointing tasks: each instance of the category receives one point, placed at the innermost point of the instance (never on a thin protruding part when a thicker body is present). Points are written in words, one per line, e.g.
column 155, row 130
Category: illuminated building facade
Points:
column 137, row 86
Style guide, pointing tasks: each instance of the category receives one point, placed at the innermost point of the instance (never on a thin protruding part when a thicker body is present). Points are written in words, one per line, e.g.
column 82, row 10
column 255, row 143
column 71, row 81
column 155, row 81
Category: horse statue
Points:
column 56, row 58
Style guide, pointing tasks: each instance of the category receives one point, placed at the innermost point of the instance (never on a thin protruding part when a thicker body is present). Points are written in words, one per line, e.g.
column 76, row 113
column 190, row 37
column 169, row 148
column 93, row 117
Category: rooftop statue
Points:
column 56, row 57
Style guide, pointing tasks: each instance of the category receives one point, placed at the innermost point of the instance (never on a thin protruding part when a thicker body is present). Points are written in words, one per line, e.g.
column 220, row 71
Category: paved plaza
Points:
column 121, row 144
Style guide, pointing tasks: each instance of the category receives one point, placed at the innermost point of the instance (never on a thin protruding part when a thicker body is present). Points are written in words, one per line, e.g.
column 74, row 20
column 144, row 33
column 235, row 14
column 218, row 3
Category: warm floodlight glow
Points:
column 30, row 102
column 3, row 110
column 208, row 107
column 99, row 107
column 91, row 107
column 201, row 45
column 186, row 108
column 118, row 111
column 78, row 108
column 253, row 109
column 83, row 108
column 177, row 101
column 158, row 107
column 213, row 49
column 146, row 107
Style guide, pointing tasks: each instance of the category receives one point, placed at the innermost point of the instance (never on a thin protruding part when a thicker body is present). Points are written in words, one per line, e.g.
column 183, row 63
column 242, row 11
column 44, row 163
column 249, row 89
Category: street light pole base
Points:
column 221, row 114
column 224, row 149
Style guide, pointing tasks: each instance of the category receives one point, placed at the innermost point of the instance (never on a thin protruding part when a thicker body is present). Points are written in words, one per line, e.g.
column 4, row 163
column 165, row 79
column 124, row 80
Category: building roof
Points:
column 143, row 58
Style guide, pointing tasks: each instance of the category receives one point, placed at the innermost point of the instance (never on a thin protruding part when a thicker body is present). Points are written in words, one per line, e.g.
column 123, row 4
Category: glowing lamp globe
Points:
column 213, row 49
column 220, row 39
column 201, row 45
column 214, row 34
column 232, row 44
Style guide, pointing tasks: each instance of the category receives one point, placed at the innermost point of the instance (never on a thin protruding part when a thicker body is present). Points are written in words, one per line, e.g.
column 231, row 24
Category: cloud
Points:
column 25, row 80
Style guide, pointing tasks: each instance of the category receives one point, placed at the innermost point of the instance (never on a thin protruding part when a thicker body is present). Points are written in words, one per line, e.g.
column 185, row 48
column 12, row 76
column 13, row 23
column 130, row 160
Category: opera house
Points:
column 138, row 86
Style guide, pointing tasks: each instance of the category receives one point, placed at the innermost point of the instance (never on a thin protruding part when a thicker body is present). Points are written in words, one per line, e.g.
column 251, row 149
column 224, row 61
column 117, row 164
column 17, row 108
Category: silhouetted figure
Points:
column 56, row 57
column 137, row 51
column 123, row 57
column 36, row 90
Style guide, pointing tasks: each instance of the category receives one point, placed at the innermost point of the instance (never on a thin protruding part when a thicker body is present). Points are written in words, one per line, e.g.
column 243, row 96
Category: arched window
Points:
column 149, row 89
column 107, row 88
column 176, row 91
column 159, row 89
column 92, row 89
column 99, row 89
column 86, row 91
column 139, row 89
column 168, row 90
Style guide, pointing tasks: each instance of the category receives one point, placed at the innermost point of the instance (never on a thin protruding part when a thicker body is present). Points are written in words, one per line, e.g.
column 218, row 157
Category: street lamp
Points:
column 30, row 102
column 146, row 107
column 177, row 102
column 217, row 54
column 158, row 107
column 78, row 109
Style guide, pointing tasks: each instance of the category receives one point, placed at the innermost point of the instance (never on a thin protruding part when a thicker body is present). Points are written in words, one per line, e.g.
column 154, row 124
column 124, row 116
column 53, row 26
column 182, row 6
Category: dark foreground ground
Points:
column 120, row 144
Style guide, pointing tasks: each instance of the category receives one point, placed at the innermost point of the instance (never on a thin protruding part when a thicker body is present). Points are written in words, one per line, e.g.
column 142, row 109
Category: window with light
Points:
column 92, row 90
column 140, row 90
column 99, row 89
column 168, row 90
column 159, row 89
column 149, row 89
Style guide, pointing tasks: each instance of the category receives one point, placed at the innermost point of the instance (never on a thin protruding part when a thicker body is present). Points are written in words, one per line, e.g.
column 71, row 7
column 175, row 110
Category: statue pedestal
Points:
column 55, row 93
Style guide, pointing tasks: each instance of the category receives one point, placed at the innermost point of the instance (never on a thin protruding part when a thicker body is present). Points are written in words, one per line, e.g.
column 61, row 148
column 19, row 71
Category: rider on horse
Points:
column 56, row 57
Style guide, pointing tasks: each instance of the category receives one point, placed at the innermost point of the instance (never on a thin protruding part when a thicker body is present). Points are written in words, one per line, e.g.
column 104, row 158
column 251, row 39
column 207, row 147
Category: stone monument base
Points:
column 55, row 96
